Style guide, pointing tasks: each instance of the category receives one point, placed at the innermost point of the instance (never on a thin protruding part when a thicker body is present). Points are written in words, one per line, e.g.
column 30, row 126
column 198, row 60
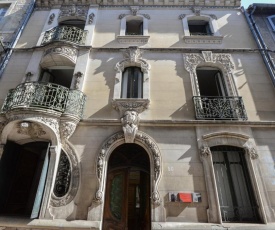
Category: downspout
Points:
column 15, row 39
column 261, row 44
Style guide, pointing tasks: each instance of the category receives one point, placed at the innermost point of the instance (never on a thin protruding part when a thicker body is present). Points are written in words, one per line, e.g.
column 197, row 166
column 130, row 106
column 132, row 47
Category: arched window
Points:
column 211, row 82
column 132, row 83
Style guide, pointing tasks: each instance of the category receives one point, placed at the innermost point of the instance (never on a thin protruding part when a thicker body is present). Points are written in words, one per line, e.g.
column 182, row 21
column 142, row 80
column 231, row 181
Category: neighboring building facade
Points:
column 137, row 115
column 261, row 19
column 13, row 18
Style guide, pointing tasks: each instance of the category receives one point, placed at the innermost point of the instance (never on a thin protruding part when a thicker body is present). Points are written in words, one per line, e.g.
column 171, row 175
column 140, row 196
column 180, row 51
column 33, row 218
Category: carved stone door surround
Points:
column 251, row 155
column 107, row 148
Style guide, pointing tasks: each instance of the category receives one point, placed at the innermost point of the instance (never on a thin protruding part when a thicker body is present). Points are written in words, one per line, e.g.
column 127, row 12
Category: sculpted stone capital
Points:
column 130, row 121
column 205, row 151
column 251, row 151
column 67, row 129
column 73, row 11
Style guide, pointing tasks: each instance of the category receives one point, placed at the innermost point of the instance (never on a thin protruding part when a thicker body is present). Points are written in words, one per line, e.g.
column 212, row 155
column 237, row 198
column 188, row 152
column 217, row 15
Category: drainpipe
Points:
column 261, row 44
column 15, row 39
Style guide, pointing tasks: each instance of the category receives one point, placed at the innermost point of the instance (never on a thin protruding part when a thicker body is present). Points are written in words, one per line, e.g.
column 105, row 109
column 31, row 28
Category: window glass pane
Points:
column 132, row 83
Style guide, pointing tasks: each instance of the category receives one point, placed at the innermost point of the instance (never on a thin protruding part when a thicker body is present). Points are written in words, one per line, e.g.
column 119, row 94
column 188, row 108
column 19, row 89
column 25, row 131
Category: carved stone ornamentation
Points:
column 134, row 10
column 30, row 129
column 137, row 105
column 75, row 177
column 67, row 129
column 205, row 151
column 182, row 16
column 151, row 147
column 133, row 57
column 252, row 153
column 121, row 16
column 196, row 11
column 73, row 11
column 28, row 76
column 69, row 52
column 207, row 55
column 130, row 122
column 78, row 77
column 91, row 18
column 51, row 18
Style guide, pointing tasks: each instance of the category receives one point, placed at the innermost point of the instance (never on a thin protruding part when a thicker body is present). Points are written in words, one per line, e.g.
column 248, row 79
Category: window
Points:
column 211, row 82
column 61, row 76
column 134, row 26
column 76, row 23
column 199, row 27
column 132, row 83
column 271, row 20
column 3, row 11
column 133, row 29
column 236, row 196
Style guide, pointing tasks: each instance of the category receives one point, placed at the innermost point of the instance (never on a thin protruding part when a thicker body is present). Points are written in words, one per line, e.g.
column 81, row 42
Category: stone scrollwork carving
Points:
column 91, row 18
column 205, row 151
column 196, row 11
column 130, row 122
column 182, row 16
column 78, row 77
column 66, row 51
column 73, row 10
column 207, row 55
column 123, row 105
column 67, row 129
column 75, row 177
column 51, row 18
column 134, row 10
column 31, row 129
column 151, row 147
column 252, row 153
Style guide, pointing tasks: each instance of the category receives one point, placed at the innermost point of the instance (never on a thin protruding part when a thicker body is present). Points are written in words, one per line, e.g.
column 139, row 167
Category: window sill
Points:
column 203, row 39
column 137, row 39
column 134, row 104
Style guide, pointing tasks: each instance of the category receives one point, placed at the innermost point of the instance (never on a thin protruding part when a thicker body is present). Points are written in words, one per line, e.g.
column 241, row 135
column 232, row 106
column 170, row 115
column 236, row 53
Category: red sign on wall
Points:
column 185, row 197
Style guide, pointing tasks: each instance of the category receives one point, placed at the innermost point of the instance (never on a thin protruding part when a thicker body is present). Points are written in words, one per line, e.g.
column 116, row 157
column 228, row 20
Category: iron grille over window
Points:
column 63, row 176
column 236, row 196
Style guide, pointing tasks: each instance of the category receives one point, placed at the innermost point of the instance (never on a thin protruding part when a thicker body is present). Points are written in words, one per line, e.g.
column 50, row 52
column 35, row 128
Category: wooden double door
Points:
column 127, row 199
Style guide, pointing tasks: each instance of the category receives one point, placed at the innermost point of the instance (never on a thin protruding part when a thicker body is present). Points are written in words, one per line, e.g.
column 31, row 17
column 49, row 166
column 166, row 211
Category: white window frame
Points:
column 272, row 24
column 133, row 39
column 216, row 38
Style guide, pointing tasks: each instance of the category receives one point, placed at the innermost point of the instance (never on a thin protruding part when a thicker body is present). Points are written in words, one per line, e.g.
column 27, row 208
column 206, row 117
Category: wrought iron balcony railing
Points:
column 65, row 33
column 219, row 108
column 46, row 96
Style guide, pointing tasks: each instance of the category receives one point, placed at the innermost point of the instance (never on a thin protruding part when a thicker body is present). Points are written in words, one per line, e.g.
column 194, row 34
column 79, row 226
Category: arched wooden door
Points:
column 127, row 199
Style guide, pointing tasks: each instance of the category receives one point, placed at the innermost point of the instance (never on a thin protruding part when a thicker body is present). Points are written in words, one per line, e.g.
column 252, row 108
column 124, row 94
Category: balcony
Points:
column 45, row 96
column 71, row 34
column 219, row 108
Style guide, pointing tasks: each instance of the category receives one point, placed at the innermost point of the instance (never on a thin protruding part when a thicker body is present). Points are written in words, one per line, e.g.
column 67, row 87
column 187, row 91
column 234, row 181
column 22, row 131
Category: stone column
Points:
column 214, row 214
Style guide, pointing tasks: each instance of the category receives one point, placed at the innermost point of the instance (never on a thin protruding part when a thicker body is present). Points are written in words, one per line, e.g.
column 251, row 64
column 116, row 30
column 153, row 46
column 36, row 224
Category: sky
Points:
column 246, row 3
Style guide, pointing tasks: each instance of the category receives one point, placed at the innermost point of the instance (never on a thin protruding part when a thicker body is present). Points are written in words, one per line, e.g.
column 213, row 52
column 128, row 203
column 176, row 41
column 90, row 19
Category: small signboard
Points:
column 185, row 197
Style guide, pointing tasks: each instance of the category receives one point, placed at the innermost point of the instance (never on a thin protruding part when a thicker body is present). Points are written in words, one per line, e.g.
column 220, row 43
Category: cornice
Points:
column 201, row 3
column 180, row 123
